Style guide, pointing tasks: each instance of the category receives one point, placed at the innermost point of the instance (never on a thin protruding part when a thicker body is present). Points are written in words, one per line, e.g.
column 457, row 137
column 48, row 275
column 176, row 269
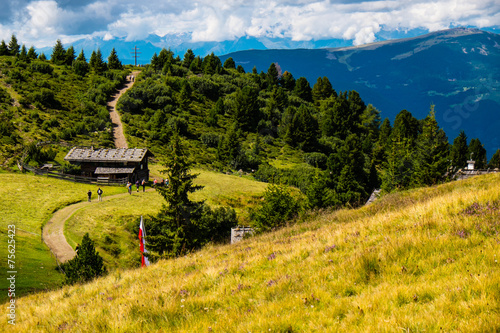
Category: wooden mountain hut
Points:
column 111, row 163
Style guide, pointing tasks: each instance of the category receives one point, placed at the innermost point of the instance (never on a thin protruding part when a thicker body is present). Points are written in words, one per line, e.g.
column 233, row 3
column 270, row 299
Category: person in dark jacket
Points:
column 89, row 193
column 99, row 194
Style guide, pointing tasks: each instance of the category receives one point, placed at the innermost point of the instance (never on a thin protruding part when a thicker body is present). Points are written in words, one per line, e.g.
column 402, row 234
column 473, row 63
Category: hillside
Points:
column 454, row 69
column 112, row 223
column 45, row 101
column 421, row 260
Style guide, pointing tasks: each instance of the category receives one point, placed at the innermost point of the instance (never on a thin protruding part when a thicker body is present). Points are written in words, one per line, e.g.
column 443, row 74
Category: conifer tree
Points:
column 229, row 63
column 96, row 63
column 459, row 153
column 113, row 61
column 287, row 81
column 303, row 89
column 170, row 232
column 14, row 46
column 23, row 55
column 4, row 49
column 58, row 56
column 81, row 56
column 69, row 57
column 229, row 149
column 477, row 153
column 432, row 152
column 322, row 89
column 495, row 160
column 86, row 265
column 406, row 128
column 272, row 76
column 306, row 129
column 188, row 58
column 42, row 57
column 32, row 53
column 246, row 108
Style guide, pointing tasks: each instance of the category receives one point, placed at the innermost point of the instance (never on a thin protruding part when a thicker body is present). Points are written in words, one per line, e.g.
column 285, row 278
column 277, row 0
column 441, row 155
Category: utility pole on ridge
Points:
column 135, row 54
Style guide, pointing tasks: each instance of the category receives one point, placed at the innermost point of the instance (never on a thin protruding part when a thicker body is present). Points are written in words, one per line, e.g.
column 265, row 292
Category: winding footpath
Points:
column 53, row 231
column 118, row 135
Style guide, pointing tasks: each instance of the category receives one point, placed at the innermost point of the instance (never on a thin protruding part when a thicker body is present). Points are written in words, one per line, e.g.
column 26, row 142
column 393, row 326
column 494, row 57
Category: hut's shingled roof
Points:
column 106, row 155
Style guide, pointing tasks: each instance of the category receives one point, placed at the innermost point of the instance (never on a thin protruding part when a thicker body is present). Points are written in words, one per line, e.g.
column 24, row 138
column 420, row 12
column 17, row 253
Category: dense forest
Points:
column 331, row 145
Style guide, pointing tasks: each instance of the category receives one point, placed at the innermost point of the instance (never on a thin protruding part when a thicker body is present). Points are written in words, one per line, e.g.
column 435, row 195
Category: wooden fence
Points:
column 77, row 179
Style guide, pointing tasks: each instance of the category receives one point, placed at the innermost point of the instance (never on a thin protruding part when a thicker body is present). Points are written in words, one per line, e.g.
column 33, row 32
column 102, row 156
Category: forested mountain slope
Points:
column 456, row 69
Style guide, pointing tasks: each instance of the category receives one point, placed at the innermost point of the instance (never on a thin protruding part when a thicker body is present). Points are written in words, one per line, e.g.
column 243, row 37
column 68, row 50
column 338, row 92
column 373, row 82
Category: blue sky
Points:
column 40, row 23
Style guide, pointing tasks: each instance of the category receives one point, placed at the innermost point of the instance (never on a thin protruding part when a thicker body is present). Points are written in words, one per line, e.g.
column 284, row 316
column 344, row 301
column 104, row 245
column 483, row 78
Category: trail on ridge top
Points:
column 118, row 135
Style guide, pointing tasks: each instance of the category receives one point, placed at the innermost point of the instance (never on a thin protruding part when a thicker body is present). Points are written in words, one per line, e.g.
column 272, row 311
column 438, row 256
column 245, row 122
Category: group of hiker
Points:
column 99, row 194
column 137, row 185
column 164, row 182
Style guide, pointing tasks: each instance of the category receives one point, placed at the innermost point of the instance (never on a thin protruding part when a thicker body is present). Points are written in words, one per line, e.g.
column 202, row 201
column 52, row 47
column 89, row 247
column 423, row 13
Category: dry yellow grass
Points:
column 411, row 262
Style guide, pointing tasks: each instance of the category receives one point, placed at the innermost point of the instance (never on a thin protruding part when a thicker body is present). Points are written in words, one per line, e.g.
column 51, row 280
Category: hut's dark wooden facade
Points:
column 111, row 163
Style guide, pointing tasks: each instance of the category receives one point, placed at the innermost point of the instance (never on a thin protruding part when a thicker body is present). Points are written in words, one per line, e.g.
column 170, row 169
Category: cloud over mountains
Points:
column 42, row 22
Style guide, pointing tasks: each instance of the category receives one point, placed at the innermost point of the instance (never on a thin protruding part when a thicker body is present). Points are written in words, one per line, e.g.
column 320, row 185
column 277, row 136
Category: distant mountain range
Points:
column 457, row 70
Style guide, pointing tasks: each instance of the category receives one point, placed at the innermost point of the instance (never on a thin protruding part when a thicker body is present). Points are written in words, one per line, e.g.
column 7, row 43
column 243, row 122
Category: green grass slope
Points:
column 423, row 260
column 29, row 201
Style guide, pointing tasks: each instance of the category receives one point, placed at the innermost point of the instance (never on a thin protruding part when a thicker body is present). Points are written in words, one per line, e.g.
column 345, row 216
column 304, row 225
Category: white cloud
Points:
column 206, row 20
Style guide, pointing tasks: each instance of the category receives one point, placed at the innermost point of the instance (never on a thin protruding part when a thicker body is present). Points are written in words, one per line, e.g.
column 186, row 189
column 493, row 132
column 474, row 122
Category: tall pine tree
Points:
column 432, row 152
column 459, row 153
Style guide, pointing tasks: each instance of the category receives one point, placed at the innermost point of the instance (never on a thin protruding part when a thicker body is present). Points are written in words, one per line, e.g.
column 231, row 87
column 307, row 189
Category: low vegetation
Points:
column 423, row 260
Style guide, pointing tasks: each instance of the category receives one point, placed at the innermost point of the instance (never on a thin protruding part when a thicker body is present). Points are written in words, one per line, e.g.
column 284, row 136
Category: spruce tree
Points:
column 14, row 46
column 188, row 58
column 459, row 153
column 477, row 153
column 23, row 55
column 69, row 57
column 86, row 265
column 81, row 56
column 495, row 160
column 58, row 56
column 113, row 61
column 302, row 89
column 432, row 152
column 171, row 231
column 32, row 53
column 306, row 129
column 272, row 76
column 42, row 57
column 96, row 63
column 4, row 49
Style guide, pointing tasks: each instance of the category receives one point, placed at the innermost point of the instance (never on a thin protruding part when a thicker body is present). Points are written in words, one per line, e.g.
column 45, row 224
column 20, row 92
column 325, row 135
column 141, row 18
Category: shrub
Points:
column 210, row 139
column 41, row 67
column 317, row 160
column 278, row 208
column 86, row 265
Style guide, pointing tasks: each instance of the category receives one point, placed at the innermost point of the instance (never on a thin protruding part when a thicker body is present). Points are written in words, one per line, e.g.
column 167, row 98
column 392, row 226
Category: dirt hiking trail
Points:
column 118, row 135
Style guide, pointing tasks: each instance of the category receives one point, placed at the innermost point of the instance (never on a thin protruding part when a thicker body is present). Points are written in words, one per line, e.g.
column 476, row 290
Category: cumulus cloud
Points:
column 206, row 20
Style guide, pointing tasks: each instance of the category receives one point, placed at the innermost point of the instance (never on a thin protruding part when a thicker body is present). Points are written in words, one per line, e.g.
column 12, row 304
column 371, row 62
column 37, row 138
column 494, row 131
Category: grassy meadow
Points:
column 421, row 260
column 28, row 202
column 114, row 224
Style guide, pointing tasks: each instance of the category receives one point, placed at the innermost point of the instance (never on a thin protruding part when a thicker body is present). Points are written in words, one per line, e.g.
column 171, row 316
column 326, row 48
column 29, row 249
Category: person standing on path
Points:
column 89, row 193
column 143, row 185
column 99, row 194
column 137, row 185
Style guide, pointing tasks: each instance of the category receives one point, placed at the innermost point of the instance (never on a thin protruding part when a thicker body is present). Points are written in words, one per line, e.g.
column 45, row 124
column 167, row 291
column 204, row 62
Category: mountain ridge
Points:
column 454, row 69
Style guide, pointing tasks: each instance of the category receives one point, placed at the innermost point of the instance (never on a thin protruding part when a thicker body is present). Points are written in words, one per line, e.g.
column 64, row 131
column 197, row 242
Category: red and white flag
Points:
column 142, row 239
